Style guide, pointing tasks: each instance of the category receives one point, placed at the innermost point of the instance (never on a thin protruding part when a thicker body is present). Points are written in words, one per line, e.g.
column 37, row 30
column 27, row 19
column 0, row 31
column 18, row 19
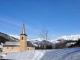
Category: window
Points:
column 22, row 38
column 28, row 48
column 7, row 47
column 12, row 47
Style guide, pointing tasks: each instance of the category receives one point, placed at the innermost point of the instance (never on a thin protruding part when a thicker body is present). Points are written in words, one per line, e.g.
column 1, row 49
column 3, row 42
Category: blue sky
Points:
column 60, row 17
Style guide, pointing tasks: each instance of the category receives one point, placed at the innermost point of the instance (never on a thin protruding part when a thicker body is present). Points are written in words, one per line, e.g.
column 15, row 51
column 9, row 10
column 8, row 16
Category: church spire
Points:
column 23, row 29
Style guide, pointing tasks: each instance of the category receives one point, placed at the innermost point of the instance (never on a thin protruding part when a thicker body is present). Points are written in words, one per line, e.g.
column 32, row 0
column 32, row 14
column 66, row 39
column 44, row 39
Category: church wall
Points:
column 30, row 48
column 22, row 45
column 15, row 49
column 10, row 49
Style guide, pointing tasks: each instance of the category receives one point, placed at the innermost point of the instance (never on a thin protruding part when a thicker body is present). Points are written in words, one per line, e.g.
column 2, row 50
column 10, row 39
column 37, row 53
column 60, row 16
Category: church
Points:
column 18, row 46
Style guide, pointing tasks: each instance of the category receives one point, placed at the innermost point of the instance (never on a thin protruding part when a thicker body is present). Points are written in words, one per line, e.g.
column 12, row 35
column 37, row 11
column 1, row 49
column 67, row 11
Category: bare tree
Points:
column 44, row 34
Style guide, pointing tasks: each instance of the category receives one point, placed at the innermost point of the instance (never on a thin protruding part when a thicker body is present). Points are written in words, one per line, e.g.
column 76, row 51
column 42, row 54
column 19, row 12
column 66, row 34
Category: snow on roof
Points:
column 17, row 43
column 12, row 43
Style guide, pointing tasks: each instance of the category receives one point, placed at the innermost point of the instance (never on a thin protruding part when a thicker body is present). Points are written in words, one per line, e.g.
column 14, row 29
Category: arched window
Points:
column 22, row 38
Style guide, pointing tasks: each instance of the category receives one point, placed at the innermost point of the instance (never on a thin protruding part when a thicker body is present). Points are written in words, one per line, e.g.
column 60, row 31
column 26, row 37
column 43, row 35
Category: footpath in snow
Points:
column 55, row 54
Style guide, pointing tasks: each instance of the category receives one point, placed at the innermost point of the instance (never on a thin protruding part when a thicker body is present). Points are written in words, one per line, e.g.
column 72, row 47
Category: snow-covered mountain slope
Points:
column 7, row 37
column 71, row 37
column 42, row 43
column 55, row 54
column 16, row 36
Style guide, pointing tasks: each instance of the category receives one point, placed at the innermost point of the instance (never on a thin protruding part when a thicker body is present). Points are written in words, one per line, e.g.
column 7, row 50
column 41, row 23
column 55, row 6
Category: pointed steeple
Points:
column 23, row 30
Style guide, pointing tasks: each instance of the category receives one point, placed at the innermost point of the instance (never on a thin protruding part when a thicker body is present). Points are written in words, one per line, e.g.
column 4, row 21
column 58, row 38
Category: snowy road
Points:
column 55, row 54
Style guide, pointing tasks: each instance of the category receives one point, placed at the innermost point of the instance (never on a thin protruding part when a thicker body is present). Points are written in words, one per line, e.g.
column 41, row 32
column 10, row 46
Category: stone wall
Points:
column 11, row 49
column 30, row 48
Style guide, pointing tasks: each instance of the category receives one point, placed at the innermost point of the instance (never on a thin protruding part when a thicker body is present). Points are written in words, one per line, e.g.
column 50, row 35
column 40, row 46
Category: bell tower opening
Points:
column 22, row 38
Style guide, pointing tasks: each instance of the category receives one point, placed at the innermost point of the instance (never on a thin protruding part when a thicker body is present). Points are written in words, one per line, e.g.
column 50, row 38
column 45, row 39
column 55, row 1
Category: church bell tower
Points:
column 23, row 40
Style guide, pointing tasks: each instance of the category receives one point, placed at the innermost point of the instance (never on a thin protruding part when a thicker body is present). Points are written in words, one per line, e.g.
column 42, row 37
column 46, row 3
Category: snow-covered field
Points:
column 55, row 54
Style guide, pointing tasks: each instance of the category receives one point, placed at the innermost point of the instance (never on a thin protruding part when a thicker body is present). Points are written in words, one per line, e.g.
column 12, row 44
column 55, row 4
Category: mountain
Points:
column 77, row 44
column 71, row 37
column 67, row 38
column 38, row 42
column 4, row 37
column 42, row 43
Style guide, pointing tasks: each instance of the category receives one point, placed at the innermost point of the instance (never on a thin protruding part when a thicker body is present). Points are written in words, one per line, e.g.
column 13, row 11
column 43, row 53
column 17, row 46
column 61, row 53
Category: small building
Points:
column 18, row 46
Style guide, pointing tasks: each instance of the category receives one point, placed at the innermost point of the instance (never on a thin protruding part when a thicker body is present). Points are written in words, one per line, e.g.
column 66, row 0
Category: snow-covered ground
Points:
column 55, row 54
column 27, row 55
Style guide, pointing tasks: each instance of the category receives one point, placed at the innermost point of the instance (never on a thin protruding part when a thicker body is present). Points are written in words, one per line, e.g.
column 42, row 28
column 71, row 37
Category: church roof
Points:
column 13, row 44
column 10, row 45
